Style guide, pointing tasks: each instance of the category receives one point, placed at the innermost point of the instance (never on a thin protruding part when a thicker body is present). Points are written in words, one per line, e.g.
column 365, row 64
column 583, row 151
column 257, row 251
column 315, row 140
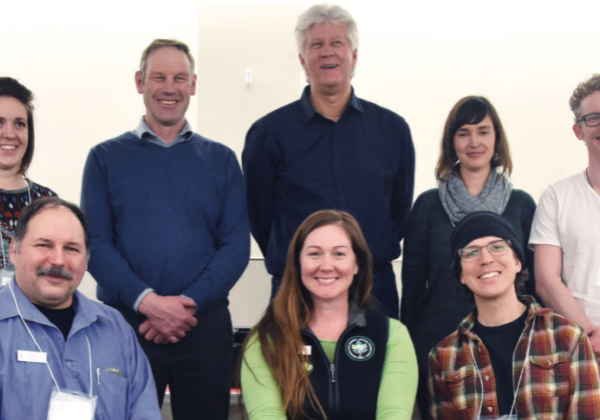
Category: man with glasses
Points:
column 510, row 358
column 566, row 226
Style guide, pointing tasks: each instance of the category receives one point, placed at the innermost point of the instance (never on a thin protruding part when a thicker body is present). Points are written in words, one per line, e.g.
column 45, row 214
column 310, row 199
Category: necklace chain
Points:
column 588, row 178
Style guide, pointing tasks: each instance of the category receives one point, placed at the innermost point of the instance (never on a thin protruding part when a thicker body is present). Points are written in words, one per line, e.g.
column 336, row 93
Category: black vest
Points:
column 348, row 389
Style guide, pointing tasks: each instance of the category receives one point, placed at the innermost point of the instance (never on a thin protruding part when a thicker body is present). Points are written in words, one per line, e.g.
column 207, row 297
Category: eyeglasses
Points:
column 591, row 120
column 495, row 249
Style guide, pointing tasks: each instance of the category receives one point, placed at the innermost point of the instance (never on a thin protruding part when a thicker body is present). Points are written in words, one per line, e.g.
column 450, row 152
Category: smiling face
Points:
column 590, row 135
column 474, row 145
column 328, row 58
column 490, row 277
column 51, row 259
column 167, row 87
column 328, row 264
column 13, row 133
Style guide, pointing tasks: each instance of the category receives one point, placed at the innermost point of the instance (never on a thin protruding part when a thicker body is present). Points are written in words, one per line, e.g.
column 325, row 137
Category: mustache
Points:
column 54, row 271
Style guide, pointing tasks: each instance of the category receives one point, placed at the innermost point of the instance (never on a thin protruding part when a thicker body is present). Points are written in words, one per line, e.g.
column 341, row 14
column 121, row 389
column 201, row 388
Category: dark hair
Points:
column 12, row 88
column 161, row 43
column 471, row 110
column 279, row 330
column 47, row 202
column 582, row 90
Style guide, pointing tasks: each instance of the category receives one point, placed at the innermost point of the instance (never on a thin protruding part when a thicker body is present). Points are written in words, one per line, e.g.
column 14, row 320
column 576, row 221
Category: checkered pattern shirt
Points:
column 560, row 380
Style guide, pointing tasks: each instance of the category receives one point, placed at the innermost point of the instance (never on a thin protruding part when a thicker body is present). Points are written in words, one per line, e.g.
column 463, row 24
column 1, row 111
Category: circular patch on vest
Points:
column 360, row 348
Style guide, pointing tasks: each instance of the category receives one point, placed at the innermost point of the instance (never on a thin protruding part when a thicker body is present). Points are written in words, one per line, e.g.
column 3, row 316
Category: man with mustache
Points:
column 63, row 355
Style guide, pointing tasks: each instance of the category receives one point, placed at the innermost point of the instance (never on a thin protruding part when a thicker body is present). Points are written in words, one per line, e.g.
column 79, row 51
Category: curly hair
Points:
column 582, row 90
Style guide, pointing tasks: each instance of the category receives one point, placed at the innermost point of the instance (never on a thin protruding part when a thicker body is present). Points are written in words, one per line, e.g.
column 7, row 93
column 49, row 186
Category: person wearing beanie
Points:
column 510, row 358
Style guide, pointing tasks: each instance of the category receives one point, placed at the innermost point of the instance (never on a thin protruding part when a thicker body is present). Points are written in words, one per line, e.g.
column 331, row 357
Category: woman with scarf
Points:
column 473, row 173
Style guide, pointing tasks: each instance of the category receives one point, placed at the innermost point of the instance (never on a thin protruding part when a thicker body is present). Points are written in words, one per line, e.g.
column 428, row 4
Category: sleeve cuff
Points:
column 196, row 304
column 141, row 297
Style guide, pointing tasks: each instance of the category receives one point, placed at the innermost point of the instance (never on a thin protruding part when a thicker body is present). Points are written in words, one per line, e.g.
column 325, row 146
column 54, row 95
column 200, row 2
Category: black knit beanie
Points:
column 479, row 225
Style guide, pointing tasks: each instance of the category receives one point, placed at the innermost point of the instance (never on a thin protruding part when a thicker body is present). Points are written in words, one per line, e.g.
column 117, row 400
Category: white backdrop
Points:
column 416, row 58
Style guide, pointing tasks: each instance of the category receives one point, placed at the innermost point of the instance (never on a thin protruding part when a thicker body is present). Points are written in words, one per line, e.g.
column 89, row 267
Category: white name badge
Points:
column 6, row 276
column 66, row 405
column 32, row 356
column 306, row 350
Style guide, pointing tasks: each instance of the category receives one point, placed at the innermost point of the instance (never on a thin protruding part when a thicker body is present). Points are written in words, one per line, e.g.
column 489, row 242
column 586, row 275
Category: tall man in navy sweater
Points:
column 330, row 150
column 169, row 236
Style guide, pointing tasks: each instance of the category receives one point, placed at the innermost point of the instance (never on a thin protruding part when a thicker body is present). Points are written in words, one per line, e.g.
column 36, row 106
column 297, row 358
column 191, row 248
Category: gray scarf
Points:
column 458, row 202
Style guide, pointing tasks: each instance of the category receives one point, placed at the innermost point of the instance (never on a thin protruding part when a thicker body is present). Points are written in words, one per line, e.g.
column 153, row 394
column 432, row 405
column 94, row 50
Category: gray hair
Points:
column 161, row 43
column 320, row 13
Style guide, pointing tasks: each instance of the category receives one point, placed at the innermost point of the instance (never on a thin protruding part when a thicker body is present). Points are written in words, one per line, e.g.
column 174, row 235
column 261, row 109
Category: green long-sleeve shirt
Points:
column 396, row 393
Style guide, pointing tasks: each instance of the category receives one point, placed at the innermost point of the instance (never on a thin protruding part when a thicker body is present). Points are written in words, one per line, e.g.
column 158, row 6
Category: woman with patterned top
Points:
column 473, row 173
column 17, row 143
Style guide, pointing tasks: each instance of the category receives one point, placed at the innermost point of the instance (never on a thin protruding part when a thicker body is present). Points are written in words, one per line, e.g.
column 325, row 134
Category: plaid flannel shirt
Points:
column 560, row 380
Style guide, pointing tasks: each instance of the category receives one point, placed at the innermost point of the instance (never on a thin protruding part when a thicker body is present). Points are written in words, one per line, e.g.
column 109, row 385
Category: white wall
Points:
column 416, row 58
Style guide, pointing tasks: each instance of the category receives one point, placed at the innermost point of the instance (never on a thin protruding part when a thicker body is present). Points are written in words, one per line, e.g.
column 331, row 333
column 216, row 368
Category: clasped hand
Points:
column 169, row 318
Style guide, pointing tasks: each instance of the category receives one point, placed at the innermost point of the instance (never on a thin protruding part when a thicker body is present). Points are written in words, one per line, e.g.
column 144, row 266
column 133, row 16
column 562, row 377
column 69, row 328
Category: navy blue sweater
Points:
column 171, row 219
column 297, row 162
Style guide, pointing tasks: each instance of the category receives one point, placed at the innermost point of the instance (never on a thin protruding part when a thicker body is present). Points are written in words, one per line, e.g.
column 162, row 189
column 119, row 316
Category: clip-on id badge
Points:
column 69, row 405
column 6, row 275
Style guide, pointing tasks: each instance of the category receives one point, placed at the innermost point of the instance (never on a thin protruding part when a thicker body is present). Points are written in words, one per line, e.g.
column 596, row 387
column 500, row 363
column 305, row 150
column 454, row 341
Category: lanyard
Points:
column 40, row 349
column 5, row 257
column 520, row 376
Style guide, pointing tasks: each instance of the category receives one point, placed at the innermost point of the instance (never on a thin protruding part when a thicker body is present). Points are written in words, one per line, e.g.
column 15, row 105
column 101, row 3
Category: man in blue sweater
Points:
column 170, row 235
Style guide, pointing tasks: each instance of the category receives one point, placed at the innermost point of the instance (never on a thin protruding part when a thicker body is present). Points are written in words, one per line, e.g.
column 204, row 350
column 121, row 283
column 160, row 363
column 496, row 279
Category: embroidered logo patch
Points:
column 360, row 348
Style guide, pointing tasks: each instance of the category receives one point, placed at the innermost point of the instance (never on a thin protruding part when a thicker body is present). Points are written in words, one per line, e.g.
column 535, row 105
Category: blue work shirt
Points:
column 121, row 376
column 297, row 161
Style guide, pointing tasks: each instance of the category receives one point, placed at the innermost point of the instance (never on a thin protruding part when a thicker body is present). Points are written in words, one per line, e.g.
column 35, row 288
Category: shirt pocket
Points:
column 461, row 386
column 550, row 383
column 112, row 392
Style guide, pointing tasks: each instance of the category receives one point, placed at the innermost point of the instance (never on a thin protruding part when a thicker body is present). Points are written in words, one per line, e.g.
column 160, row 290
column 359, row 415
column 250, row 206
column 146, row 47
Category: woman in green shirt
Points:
column 321, row 350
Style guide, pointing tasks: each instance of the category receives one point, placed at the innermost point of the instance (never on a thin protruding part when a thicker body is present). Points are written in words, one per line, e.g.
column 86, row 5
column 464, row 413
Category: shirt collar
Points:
column 86, row 312
column 143, row 131
column 309, row 110
column 467, row 324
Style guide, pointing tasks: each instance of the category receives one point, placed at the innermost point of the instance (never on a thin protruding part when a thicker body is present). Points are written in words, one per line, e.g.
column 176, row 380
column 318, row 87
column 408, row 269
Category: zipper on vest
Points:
column 332, row 370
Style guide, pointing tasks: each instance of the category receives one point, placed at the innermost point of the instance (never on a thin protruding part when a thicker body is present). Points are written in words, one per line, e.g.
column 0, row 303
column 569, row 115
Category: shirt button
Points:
column 69, row 364
column 490, row 409
column 487, row 378
column 549, row 363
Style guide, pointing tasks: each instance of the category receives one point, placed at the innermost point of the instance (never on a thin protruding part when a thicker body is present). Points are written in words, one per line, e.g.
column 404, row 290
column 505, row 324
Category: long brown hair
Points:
column 472, row 110
column 278, row 332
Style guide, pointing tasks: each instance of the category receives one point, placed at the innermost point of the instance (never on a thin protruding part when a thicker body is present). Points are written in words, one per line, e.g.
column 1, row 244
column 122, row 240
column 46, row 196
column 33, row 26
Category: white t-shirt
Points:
column 568, row 216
